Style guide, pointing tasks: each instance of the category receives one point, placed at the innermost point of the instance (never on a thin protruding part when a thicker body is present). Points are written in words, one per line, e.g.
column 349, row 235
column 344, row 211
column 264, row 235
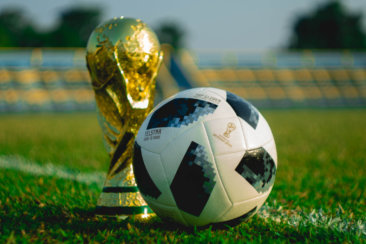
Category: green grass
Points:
column 73, row 140
column 322, row 155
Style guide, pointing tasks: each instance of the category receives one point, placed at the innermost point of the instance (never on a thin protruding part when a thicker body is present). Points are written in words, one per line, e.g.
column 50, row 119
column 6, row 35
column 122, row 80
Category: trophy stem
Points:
column 121, row 197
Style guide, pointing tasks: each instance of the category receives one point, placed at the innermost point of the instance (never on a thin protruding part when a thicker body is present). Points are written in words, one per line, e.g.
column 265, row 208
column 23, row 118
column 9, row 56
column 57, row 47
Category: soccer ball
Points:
column 205, row 156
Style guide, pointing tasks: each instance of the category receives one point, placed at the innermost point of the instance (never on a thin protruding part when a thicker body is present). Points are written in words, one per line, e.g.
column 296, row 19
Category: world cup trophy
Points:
column 123, row 58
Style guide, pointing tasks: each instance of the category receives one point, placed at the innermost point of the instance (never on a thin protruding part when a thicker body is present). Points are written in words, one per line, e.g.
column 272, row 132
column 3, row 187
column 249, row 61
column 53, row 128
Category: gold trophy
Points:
column 123, row 58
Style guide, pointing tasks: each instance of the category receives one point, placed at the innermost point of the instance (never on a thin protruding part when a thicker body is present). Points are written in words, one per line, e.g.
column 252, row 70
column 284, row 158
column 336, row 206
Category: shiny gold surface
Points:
column 123, row 58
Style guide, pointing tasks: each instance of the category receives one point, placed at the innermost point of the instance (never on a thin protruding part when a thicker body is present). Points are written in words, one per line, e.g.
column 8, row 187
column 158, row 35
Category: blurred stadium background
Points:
column 307, row 74
column 44, row 79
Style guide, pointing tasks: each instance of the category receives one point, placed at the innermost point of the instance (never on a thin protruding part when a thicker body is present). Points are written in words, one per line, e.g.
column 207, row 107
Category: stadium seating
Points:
column 305, row 82
column 57, row 80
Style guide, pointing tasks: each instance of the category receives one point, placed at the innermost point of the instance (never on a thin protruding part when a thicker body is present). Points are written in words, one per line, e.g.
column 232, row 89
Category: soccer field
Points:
column 52, row 168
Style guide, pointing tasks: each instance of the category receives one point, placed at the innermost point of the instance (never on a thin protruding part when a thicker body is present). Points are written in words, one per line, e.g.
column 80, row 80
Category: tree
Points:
column 13, row 23
column 171, row 33
column 330, row 26
column 75, row 27
column 73, row 30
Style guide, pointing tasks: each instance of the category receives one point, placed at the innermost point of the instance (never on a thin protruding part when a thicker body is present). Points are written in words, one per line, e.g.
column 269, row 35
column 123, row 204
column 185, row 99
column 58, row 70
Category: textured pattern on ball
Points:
column 243, row 109
column 258, row 168
column 194, row 181
column 207, row 156
column 180, row 111
column 144, row 181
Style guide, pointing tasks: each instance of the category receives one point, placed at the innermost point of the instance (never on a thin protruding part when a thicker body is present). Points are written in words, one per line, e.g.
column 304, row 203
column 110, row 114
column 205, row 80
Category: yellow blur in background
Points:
column 57, row 79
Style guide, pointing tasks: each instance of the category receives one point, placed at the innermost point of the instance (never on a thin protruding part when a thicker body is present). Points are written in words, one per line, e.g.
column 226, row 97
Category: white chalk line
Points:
column 27, row 166
column 317, row 218
column 293, row 218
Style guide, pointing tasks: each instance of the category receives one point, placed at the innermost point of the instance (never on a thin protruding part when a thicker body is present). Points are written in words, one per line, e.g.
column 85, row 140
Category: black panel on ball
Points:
column 194, row 181
column 243, row 109
column 180, row 111
column 258, row 168
column 144, row 182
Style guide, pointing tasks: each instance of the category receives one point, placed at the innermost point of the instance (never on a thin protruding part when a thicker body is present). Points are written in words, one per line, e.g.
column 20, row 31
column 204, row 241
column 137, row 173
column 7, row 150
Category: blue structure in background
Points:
column 178, row 73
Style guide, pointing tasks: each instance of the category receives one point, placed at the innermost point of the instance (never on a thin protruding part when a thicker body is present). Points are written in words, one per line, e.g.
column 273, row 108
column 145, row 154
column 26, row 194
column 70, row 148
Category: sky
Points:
column 208, row 24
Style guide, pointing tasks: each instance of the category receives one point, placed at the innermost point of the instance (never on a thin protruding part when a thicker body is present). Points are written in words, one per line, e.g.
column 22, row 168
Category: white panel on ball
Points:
column 170, row 157
column 156, row 139
column 237, row 188
column 156, row 171
column 217, row 205
column 222, row 110
column 173, row 154
column 167, row 212
column 260, row 135
column 225, row 135
column 220, row 92
column 271, row 149
column 241, row 208
column 206, row 95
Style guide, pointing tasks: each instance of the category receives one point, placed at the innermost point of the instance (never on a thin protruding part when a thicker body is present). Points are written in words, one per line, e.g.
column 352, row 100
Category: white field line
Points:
column 294, row 218
column 315, row 218
column 30, row 167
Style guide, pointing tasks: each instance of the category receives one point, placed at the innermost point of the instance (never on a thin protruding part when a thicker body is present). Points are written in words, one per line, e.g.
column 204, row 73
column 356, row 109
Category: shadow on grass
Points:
column 30, row 215
column 57, row 222
column 35, row 218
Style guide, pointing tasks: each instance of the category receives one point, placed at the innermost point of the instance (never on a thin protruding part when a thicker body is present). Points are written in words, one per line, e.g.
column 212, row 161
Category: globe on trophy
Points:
column 123, row 57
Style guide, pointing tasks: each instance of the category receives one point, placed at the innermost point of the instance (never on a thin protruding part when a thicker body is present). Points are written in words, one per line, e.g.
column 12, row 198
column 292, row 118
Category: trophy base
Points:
column 142, row 212
column 122, row 202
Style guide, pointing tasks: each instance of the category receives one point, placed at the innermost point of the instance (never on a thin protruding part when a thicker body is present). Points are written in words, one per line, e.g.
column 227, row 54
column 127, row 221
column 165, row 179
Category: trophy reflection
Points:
column 123, row 58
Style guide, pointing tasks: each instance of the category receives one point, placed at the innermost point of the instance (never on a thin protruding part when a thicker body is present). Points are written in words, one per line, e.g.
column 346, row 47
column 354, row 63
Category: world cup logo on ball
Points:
column 123, row 58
